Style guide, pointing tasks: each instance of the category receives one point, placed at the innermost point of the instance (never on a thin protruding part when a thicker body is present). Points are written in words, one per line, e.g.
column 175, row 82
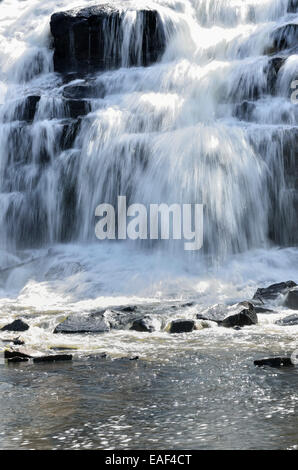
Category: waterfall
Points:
column 197, row 112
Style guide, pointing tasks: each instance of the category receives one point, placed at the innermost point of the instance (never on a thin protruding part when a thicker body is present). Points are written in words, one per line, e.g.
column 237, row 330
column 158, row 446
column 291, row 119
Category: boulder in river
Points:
column 273, row 292
column 95, row 38
column 16, row 325
column 12, row 353
column 291, row 320
column 97, row 322
column 291, row 300
column 182, row 326
column 238, row 315
column 274, row 362
column 292, row 6
column 80, row 323
column 147, row 324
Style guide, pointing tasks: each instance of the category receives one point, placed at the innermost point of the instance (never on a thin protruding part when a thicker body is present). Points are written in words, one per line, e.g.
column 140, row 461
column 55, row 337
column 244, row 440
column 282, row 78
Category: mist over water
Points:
column 206, row 124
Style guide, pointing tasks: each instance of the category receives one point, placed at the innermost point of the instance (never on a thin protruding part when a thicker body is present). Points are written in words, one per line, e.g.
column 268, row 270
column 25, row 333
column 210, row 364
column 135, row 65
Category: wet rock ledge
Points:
column 92, row 38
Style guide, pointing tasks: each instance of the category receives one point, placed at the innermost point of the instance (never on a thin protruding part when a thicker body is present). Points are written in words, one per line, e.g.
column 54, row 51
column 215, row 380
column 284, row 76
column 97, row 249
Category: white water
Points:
column 165, row 133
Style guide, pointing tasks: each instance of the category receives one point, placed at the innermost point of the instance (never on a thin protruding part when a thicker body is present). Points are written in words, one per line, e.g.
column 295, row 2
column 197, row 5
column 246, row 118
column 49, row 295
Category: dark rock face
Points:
column 83, row 91
column 77, row 323
column 146, row 324
column 77, row 108
column 238, row 315
column 291, row 320
column 274, row 66
column 69, row 133
column 272, row 292
column 291, row 300
column 182, row 326
column 284, row 37
column 244, row 111
column 17, row 359
column 11, row 353
column 24, row 110
column 92, row 38
column 263, row 310
column 274, row 362
column 17, row 325
column 292, row 6
column 246, row 316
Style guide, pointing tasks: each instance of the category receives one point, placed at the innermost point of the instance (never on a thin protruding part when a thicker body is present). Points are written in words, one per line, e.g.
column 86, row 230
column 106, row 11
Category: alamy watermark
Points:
column 294, row 95
column 155, row 222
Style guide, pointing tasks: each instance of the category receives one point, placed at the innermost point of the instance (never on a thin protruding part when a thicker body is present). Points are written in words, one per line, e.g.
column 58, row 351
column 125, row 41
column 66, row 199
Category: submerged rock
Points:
column 291, row 300
column 182, row 326
column 92, row 38
column 17, row 359
column 17, row 325
column 291, row 320
column 274, row 362
column 53, row 358
column 274, row 291
column 146, row 324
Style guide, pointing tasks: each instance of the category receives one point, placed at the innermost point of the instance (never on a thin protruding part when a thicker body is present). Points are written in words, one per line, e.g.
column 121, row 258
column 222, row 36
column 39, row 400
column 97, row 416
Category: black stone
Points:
column 291, row 320
column 245, row 317
column 182, row 326
column 244, row 111
column 292, row 6
column 274, row 362
column 146, row 324
column 69, row 133
column 77, row 108
column 18, row 342
column 274, row 66
column 273, row 291
column 17, row 325
column 285, row 37
column 83, row 91
column 77, row 323
column 17, row 359
column 291, row 300
column 263, row 310
column 53, row 358
column 83, row 39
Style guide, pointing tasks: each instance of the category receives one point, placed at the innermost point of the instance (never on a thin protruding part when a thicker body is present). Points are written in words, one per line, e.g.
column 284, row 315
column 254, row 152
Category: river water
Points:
column 197, row 390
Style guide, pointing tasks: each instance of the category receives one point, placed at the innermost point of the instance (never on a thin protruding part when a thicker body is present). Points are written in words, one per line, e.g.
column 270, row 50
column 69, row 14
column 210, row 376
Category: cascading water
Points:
column 176, row 132
column 169, row 102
